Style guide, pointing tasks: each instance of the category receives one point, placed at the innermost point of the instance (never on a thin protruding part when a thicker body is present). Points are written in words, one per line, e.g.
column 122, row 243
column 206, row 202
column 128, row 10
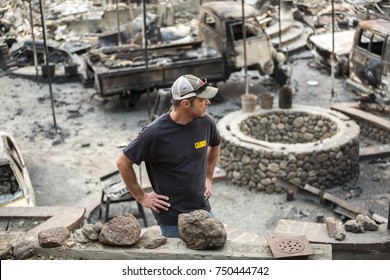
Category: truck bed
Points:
column 165, row 65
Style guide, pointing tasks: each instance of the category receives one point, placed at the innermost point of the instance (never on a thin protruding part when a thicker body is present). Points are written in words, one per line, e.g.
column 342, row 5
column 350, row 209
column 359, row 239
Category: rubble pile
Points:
column 361, row 224
column 16, row 17
column 15, row 20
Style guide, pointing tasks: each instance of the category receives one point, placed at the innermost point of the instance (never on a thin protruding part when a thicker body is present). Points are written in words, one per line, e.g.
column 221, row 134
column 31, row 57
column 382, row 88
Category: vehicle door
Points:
column 258, row 47
column 211, row 31
column 366, row 57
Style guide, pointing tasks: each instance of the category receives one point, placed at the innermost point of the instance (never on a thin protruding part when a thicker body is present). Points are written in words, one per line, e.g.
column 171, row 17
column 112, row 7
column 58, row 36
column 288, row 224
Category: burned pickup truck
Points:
column 217, row 51
column 369, row 59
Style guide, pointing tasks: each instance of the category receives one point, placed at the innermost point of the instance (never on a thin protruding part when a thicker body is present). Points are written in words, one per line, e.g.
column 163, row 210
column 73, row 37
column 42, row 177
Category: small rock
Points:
column 366, row 222
column 151, row 240
column 53, row 237
column 98, row 227
column 340, row 236
column 5, row 251
column 89, row 231
column 79, row 237
column 352, row 226
column 24, row 250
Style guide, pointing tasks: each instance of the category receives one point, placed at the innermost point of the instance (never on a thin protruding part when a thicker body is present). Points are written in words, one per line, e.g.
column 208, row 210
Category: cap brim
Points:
column 208, row 93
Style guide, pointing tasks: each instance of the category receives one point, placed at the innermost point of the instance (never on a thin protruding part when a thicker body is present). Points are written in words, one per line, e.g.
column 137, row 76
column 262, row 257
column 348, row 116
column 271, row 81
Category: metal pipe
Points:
column 130, row 10
column 146, row 57
column 280, row 23
column 244, row 43
column 33, row 39
column 333, row 58
column 47, row 62
column 118, row 24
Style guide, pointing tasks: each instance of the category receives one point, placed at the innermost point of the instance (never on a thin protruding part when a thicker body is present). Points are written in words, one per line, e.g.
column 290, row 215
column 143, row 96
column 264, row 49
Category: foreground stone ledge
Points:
column 175, row 249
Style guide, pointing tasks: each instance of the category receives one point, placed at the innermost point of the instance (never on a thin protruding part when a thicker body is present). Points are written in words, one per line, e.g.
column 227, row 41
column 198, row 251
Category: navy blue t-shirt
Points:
column 175, row 156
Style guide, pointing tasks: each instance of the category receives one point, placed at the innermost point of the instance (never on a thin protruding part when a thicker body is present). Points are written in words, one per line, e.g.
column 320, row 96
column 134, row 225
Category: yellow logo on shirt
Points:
column 200, row 144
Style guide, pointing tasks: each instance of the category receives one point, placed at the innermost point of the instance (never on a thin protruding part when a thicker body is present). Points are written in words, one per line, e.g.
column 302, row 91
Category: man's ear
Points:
column 186, row 103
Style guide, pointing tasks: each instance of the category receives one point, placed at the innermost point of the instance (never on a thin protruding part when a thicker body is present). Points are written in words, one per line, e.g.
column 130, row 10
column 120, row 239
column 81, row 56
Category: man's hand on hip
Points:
column 155, row 202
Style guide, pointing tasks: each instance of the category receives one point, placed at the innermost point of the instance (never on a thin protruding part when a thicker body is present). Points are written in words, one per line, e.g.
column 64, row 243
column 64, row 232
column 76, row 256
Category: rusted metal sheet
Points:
column 290, row 246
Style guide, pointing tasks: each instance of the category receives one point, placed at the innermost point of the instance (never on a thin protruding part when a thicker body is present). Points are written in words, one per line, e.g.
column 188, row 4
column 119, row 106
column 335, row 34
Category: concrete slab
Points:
column 69, row 217
column 175, row 249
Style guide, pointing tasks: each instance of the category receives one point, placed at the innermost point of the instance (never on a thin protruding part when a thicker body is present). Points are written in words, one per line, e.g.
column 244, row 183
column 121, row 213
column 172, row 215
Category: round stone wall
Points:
column 302, row 145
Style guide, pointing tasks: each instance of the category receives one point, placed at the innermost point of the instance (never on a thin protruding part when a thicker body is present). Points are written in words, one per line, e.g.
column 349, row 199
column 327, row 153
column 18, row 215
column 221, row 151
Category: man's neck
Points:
column 180, row 117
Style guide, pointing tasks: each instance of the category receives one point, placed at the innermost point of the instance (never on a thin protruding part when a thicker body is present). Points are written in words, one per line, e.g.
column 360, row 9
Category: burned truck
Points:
column 369, row 60
column 216, row 52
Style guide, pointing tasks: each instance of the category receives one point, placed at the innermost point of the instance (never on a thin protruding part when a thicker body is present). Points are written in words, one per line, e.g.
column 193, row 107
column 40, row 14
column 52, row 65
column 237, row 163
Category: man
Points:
column 180, row 150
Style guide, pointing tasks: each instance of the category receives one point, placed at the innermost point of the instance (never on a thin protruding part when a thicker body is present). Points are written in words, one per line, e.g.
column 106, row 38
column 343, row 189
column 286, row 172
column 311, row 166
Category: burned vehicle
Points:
column 369, row 59
column 215, row 53
column 220, row 27
column 321, row 47
column 15, row 184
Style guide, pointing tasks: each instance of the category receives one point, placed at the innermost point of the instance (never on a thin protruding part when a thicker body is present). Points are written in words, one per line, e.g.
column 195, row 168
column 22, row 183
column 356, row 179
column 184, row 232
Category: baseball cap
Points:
column 187, row 86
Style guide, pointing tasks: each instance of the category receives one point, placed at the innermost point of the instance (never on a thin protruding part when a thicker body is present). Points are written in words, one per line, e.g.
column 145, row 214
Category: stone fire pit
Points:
column 303, row 145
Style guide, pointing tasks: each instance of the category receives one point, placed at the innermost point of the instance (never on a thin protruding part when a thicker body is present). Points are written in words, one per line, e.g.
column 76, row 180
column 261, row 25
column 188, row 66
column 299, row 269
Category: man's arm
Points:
column 212, row 160
column 151, row 200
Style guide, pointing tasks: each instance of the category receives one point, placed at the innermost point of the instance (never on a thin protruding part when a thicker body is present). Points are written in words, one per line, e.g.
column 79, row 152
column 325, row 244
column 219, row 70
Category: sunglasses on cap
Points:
column 199, row 90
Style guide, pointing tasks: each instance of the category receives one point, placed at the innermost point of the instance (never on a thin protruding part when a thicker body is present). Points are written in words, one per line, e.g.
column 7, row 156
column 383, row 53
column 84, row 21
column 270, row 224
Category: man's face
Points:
column 198, row 107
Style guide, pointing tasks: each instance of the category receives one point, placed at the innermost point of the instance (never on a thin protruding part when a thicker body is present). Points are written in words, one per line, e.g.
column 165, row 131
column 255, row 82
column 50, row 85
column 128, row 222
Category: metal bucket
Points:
column 285, row 97
column 45, row 71
column 248, row 102
column 266, row 100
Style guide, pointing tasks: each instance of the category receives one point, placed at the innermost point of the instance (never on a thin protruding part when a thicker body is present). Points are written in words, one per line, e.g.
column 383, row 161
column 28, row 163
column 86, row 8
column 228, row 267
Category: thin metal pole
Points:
column 47, row 62
column 332, row 62
column 130, row 10
column 33, row 39
column 280, row 23
column 146, row 57
column 244, row 43
column 118, row 24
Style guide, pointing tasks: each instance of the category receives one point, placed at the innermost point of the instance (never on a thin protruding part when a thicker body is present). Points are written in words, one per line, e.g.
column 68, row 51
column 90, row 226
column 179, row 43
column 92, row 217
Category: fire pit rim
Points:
column 347, row 129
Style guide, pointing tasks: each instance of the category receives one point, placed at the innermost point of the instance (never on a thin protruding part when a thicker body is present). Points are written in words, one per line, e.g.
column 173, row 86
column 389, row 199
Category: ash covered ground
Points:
column 65, row 165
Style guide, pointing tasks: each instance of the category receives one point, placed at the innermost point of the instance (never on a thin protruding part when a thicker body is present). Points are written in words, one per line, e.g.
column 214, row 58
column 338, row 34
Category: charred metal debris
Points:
column 106, row 41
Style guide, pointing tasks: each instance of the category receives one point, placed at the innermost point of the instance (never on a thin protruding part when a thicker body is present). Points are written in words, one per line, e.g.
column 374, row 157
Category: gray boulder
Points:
column 200, row 231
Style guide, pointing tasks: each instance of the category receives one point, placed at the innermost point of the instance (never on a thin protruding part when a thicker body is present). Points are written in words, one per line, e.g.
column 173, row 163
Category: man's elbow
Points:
column 121, row 162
